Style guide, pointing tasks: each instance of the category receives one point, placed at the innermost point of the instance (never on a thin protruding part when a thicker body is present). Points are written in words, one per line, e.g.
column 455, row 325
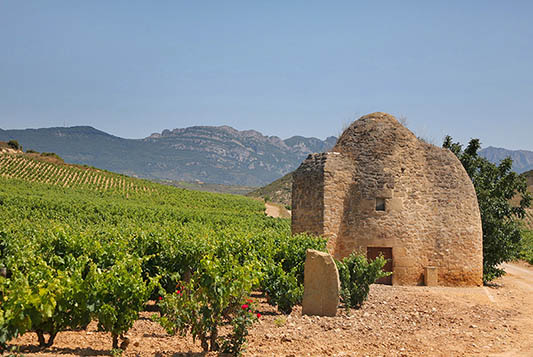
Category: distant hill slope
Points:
column 279, row 191
column 220, row 155
column 208, row 187
column 522, row 159
column 50, row 169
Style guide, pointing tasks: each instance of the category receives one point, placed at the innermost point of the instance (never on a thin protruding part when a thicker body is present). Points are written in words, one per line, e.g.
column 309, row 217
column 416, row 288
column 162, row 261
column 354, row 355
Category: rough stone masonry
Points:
column 382, row 190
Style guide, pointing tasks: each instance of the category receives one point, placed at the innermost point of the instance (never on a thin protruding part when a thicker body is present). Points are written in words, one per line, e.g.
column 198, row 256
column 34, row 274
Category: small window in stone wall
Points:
column 380, row 204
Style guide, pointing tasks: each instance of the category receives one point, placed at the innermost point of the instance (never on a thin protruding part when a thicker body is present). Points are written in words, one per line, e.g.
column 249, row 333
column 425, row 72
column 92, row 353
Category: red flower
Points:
column 249, row 300
column 178, row 292
column 258, row 315
column 244, row 306
column 160, row 298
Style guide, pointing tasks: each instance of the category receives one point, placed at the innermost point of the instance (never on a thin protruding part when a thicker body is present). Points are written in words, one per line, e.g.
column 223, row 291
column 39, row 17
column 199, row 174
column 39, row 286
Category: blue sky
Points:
column 284, row 68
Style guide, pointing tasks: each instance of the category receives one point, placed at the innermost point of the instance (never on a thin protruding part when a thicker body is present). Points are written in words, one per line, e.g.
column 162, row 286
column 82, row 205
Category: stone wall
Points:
column 431, row 216
column 308, row 196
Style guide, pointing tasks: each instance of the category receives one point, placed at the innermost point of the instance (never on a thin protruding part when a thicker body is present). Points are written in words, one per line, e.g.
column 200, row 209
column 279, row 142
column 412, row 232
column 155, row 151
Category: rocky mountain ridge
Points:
column 221, row 154
column 211, row 154
column 522, row 159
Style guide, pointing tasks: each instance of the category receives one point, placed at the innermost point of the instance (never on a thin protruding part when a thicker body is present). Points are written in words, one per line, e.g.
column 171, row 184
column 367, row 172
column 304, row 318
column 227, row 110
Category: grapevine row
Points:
column 33, row 170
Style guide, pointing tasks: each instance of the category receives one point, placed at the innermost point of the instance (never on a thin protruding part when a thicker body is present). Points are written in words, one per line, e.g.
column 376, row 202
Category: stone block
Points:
column 395, row 205
column 431, row 276
column 404, row 261
column 368, row 206
column 321, row 284
column 384, row 193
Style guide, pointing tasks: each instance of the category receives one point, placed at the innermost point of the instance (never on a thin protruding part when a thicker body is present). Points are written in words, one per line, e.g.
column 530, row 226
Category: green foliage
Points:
column 284, row 274
column 43, row 299
column 527, row 246
column 291, row 253
column 52, row 154
column 212, row 297
column 118, row 295
column 495, row 186
column 75, row 254
column 14, row 145
column 356, row 274
column 55, row 172
column 282, row 289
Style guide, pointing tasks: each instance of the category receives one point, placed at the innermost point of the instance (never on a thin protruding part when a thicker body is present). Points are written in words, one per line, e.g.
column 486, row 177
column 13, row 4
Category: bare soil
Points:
column 395, row 321
column 277, row 210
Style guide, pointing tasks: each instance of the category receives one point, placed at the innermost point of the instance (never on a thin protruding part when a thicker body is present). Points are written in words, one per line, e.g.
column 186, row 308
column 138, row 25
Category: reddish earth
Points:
column 395, row 321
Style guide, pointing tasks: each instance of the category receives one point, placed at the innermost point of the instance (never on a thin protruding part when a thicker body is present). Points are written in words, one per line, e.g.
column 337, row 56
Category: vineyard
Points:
column 34, row 168
column 80, row 245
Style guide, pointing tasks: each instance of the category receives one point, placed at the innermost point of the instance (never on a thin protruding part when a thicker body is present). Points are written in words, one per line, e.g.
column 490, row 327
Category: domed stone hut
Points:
column 381, row 190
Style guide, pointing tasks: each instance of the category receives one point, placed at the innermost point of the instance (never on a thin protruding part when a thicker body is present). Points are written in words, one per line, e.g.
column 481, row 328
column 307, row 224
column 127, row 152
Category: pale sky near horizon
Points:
column 284, row 68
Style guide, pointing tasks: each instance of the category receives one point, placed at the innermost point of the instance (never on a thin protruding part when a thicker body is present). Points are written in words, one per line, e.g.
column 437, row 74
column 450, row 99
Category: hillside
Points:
column 278, row 191
column 214, row 155
column 49, row 169
column 208, row 187
column 221, row 155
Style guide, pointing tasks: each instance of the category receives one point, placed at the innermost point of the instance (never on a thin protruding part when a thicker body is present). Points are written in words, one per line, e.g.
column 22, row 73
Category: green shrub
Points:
column 43, row 300
column 356, row 274
column 52, row 154
column 14, row 145
column 284, row 275
column 283, row 289
column 495, row 186
column 291, row 253
column 119, row 294
column 213, row 297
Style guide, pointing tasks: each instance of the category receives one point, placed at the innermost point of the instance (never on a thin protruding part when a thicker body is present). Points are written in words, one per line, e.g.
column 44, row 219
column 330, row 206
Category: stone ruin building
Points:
column 381, row 190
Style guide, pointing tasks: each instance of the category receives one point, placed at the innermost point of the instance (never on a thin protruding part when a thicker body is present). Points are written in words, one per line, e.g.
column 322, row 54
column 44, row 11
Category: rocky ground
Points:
column 395, row 321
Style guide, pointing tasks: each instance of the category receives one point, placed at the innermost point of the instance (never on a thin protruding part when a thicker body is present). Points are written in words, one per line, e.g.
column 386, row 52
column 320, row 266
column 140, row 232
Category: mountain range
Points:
column 221, row 155
column 212, row 154
column 522, row 159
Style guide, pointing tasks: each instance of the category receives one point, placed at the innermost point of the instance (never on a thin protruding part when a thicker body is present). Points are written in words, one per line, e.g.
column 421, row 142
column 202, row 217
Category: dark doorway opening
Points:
column 374, row 252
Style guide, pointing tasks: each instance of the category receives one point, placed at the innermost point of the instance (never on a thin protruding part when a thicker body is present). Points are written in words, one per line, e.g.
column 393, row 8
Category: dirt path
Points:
column 277, row 210
column 272, row 210
column 517, row 294
column 395, row 321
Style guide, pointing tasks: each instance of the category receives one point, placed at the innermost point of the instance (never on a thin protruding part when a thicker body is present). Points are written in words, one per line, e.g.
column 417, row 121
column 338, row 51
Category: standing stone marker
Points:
column 321, row 284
